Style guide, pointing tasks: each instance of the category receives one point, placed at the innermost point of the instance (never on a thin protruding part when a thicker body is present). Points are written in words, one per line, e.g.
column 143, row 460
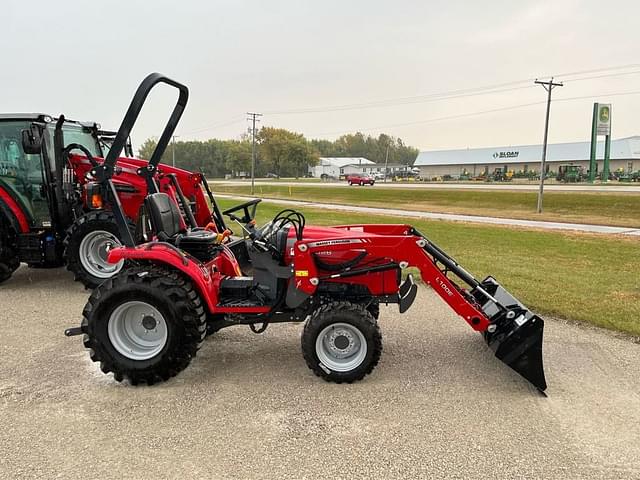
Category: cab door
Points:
column 22, row 176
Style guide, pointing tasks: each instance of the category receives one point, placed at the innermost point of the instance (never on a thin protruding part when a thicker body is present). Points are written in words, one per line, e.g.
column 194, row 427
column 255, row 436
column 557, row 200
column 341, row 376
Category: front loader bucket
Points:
column 522, row 351
column 515, row 333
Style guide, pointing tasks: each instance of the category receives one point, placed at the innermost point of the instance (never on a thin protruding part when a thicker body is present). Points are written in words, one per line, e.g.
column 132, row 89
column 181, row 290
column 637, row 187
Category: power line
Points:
column 473, row 114
column 406, row 101
column 472, row 91
column 217, row 125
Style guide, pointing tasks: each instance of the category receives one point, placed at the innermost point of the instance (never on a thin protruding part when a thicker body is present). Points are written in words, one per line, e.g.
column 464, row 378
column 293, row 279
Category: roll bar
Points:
column 131, row 116
column 103, row 173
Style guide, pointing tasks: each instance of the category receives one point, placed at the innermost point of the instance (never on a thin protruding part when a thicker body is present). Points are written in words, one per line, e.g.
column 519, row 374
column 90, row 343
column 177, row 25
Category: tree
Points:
column 147, row 148
column 375, row 149
column 238, row 156
column 285, row 153
column 280, row 151
column 300, row 156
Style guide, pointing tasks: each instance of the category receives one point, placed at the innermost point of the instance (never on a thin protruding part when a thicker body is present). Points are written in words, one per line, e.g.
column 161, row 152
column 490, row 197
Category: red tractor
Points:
column 147, row 323
column 53, row 212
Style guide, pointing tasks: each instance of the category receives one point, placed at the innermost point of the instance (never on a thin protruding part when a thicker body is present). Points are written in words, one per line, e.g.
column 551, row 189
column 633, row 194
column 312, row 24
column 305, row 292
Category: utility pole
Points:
column 548, row 86
column 173, row 150
column 386, row 162
column 252, row 117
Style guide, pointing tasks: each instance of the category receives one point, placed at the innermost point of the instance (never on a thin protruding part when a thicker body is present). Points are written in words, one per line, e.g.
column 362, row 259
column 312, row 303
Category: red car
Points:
column 360, row 179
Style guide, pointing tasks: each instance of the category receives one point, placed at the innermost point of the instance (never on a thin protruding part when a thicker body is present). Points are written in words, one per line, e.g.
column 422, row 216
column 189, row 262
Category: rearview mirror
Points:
column 31, row 141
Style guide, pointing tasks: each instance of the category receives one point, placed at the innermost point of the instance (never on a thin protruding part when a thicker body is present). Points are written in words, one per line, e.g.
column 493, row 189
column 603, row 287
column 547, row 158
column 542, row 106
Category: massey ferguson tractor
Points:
column 52, row 210
column 146, row 323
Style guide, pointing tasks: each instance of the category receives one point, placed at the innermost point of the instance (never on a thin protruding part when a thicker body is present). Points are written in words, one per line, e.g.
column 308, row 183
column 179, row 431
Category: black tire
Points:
column 9, row 262
column 355, row 316
column 7, row 269
column 374, row 309
column 83, row 226
column 178, row 303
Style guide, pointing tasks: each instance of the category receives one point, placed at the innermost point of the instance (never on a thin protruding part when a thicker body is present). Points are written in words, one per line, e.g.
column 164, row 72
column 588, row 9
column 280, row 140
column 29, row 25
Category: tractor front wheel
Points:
column 144, row 325
column 86, row 246
column 341, row 342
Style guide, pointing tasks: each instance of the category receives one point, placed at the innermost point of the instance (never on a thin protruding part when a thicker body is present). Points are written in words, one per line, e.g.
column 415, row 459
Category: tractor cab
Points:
column 29, row 170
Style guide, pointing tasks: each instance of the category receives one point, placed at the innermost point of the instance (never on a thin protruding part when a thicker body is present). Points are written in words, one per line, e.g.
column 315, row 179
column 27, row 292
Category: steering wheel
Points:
column 248, row 216
column 77, row 146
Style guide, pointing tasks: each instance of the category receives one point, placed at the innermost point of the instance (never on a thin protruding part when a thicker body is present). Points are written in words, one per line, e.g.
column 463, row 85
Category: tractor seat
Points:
column 166, row 221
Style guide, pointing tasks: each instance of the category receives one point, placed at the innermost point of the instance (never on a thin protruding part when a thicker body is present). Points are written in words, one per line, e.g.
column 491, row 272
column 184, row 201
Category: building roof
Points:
column 621, row 149
column 343, row 161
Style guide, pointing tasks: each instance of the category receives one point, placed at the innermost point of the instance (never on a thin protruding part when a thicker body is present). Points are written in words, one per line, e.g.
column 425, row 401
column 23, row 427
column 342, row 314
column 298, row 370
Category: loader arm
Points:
column 512, row 331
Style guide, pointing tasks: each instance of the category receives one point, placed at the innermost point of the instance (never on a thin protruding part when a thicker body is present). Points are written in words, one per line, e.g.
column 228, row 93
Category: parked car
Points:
column 378, row 176
column 360, row 179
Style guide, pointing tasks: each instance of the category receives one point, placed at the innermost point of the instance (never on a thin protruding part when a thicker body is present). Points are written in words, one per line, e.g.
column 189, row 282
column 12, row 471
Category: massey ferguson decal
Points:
column 335, row 242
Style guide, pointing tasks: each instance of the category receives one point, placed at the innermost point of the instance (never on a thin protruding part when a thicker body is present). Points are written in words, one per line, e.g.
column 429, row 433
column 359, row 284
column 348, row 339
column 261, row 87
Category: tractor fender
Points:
column 12, row 212
column 167, row 254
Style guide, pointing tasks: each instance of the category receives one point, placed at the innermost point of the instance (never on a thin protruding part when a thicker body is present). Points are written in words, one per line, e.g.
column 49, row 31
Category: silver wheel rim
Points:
column 93, row 254
column 341, row 347
column 137, row 330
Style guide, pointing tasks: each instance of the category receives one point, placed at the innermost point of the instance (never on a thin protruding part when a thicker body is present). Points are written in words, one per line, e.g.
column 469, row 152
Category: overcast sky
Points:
column 85, row 59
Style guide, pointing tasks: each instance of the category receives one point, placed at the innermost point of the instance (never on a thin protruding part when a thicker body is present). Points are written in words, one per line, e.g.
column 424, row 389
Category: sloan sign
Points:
column 513, row 154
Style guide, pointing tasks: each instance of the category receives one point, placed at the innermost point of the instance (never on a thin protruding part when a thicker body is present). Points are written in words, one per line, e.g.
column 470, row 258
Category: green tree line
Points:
column 278, row 151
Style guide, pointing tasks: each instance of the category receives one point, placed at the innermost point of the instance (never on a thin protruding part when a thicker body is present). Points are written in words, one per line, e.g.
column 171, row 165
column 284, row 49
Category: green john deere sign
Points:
column 603, row 126
column 600, row 125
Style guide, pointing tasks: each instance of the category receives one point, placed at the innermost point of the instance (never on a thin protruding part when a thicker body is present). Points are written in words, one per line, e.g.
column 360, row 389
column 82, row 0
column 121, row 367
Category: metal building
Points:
column 333, row 167
column 625, row 155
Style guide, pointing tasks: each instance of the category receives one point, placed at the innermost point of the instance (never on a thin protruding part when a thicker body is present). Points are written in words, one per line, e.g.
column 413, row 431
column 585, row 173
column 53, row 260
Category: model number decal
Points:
column 444, row 286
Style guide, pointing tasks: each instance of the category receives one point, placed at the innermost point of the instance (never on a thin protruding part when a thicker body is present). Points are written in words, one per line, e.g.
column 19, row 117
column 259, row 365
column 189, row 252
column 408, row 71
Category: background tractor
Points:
column 570, row 173
column 53, row 212
column 147, row 323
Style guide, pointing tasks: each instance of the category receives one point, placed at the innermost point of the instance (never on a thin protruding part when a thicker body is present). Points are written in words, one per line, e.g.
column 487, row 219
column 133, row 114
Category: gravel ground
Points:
column 439, row 405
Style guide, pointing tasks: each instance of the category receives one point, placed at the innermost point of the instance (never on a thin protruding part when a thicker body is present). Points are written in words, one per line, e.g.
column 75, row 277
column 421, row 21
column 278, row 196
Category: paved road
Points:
column 398, row 213
column 612, row 188
column 438, row 405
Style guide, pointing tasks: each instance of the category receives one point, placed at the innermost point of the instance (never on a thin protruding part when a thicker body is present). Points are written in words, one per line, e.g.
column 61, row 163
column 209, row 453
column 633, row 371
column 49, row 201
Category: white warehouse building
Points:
column 333, row 167
column 624, row 154
column 337, row 167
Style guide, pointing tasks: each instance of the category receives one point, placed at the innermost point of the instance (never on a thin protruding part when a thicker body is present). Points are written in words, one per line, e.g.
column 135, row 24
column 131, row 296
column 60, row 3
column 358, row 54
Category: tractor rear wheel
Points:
column 86, row 247
column 144, row 325
column 9, row 262
column 341, row 342
column 7, row 267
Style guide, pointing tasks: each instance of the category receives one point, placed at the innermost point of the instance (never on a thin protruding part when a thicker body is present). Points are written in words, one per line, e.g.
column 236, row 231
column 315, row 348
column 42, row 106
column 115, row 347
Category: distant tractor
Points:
column 628, row 176
column 570, row 174
column 500, row 175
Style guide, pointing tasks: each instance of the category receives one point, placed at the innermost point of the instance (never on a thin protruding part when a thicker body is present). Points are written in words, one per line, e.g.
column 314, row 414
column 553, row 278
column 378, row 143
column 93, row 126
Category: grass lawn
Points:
column 589, row 278
column 602, row 208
